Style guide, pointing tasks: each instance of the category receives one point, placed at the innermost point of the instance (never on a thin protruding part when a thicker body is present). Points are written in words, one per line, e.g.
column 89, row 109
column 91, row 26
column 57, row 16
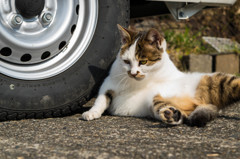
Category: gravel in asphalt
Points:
column 120, row 137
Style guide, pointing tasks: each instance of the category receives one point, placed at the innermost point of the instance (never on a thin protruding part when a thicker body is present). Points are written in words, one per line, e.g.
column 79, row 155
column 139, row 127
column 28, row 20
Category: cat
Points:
column 144, row 82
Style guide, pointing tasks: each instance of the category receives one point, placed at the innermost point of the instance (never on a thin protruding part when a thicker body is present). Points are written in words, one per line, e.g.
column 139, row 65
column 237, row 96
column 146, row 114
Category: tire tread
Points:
column 70, row 109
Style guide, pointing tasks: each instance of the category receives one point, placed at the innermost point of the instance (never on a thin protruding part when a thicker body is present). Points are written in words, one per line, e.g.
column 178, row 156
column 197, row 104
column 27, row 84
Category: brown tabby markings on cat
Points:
column 176, row 107
column 219, row 89
column 147, row 49
column 109, row 94
column 185, row 104
column 129, row 38
column 212, row 94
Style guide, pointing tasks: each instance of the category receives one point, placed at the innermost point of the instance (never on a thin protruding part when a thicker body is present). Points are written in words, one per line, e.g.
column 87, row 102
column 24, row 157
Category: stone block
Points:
column 228, row 63
column 200, row 63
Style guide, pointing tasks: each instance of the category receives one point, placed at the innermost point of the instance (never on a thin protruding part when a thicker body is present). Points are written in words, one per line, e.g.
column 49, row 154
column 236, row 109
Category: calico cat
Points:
column 143, row 81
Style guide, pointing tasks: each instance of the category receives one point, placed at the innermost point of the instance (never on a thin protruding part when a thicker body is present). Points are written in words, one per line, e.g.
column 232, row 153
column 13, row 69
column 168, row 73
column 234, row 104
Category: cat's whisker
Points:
column 125, row 83
column 118, row 75
column 121, row 81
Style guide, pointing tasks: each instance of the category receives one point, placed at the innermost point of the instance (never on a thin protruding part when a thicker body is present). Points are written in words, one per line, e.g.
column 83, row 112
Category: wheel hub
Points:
column 30, row 8
column 41, row 43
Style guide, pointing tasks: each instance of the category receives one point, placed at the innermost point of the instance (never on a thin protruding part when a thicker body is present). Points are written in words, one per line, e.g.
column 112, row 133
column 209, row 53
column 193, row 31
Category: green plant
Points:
column 236, row 49
column 186, row 42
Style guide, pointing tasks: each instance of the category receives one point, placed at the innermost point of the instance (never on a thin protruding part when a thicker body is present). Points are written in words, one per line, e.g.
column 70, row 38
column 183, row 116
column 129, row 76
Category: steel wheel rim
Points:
column 53, row 53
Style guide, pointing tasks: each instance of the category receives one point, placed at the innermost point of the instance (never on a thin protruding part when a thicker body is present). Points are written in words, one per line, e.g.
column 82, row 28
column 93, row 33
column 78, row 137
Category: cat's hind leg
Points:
column 177, row 110
column 173, row 110
column 166, row 112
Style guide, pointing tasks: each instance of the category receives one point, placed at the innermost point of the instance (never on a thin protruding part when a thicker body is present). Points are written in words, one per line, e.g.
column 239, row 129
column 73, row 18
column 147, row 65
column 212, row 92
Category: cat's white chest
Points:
column 132, row 103
column 137, row 101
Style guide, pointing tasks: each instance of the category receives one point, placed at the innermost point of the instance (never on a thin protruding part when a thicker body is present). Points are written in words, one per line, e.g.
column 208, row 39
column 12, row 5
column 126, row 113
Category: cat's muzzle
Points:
column 138, row 76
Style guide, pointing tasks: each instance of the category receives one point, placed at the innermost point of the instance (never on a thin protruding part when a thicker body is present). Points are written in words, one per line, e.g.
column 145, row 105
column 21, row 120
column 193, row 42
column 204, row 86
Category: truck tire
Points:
column 52, row 61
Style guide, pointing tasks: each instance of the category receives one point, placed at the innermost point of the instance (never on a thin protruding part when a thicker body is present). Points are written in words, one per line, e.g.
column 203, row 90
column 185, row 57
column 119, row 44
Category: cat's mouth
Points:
column 136, row 76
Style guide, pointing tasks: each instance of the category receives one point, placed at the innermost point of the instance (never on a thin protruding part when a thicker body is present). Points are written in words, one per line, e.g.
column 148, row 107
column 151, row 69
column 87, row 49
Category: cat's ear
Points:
column 155, row 38
column 125, row 34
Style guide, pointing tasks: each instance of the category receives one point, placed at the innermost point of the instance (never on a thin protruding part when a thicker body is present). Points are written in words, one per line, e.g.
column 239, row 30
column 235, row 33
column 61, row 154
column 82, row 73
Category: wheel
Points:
column 54, row 54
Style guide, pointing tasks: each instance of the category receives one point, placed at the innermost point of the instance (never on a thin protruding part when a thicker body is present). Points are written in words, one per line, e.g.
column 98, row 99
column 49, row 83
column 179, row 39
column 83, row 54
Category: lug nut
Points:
column 47, row 17
column 17, row 19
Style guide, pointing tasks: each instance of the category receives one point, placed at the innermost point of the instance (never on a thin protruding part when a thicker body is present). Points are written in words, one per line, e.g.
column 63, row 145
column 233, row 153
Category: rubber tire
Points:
column 65, row 93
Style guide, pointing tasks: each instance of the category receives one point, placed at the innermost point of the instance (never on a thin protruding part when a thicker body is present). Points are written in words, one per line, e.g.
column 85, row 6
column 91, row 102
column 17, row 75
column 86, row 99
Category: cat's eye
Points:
column 142, row 62
column 126, row 62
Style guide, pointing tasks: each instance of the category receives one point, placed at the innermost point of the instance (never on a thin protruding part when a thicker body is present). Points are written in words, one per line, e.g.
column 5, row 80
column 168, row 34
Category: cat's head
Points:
column 141, row 51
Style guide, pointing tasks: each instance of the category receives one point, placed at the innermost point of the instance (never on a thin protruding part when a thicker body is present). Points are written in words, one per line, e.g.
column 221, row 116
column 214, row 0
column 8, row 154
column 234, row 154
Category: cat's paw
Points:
column 170, row 115
column 202, row 114
column 91, row 115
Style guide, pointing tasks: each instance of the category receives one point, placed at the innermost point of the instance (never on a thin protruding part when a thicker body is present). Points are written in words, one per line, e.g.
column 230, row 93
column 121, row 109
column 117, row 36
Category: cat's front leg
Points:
column 101, row 103
column 166, row 112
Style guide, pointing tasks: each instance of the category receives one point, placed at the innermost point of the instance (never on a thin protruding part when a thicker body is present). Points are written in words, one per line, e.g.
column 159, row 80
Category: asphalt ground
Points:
column 120, row 137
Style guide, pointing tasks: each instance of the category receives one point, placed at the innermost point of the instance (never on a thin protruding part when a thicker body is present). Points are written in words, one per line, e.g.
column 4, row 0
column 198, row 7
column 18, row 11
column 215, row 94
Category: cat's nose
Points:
column 135, row 74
